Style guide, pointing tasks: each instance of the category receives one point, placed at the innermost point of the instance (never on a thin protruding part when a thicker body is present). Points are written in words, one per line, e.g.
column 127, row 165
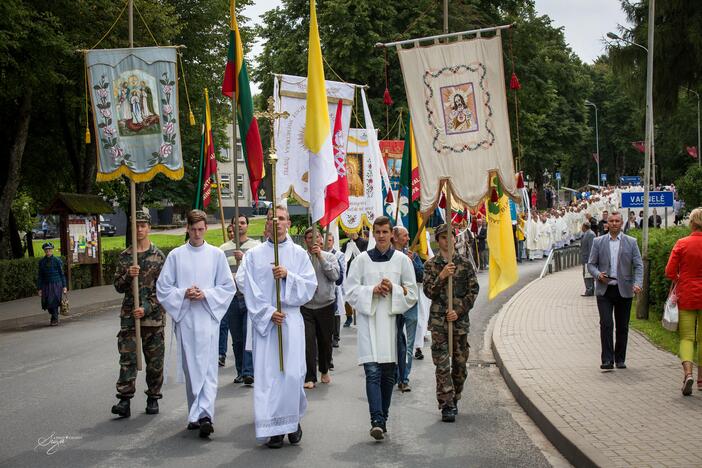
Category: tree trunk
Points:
column 15, row 239
column 13, row 172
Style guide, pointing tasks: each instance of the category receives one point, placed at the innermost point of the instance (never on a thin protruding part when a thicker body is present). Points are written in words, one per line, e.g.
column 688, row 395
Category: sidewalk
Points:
column 27, row 311
column 546, row 342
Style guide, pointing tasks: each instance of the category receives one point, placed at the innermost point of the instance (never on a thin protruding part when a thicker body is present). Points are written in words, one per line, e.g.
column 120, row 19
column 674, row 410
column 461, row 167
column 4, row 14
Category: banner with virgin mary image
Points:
column 134, row 96
column 456, row 95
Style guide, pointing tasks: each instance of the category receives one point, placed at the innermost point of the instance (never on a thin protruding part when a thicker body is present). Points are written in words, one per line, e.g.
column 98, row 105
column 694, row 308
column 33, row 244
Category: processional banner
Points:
column 134, row 96
column 363, row 174
column 456, row 95
column 292, row 168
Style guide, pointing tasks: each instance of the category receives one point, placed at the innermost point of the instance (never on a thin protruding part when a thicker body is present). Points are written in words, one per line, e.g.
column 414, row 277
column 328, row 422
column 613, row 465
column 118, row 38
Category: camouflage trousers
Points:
column 152, row 342
column 449, row 381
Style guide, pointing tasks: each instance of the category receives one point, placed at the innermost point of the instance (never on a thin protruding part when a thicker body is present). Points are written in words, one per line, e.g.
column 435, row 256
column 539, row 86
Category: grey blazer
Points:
column 586, row 245
column 629, row 264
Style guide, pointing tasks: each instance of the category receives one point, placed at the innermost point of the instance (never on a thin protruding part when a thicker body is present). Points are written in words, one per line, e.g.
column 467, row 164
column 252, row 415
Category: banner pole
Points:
column 449, row 260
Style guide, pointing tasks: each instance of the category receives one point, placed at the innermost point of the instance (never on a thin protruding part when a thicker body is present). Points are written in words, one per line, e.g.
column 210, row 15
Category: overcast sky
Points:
column 585, row 22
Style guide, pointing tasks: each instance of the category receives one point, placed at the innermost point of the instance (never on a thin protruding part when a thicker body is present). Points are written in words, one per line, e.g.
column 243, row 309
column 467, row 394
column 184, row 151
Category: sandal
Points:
column 687, row 385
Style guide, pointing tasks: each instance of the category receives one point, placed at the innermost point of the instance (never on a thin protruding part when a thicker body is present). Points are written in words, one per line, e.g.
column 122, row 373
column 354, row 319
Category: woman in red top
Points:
column 685, row 267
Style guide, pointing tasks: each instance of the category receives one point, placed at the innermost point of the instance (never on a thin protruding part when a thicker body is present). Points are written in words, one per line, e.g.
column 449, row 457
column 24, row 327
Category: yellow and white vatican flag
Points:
column 456, row 95
column 503, row 271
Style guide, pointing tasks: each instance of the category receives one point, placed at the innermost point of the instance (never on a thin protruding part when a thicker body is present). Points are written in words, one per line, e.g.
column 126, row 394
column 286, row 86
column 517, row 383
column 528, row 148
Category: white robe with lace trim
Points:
column 279, row 397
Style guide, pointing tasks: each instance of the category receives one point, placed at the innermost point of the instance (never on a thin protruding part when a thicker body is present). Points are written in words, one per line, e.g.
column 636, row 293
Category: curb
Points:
column 571, row 445
column 41, row 317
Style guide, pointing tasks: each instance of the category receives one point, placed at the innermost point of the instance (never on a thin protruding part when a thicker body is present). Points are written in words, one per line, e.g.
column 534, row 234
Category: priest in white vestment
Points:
column 195, row 287
column 381, row 284
column 279, row 398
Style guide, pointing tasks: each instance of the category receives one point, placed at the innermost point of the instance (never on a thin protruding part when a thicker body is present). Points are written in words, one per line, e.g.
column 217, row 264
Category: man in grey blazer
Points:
column 615, row 261
column 585, row 247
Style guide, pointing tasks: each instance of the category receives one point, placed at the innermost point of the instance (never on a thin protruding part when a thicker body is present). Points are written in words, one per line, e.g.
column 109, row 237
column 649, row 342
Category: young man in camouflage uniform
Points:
column 449, row 379
column 153, row 320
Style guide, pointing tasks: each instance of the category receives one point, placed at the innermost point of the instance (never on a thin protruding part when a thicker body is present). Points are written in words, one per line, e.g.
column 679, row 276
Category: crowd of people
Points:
column 390, row 293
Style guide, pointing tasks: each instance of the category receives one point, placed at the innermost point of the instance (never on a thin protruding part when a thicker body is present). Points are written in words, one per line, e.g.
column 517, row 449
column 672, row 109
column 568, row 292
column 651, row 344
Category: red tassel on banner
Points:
column 386, row 97
column 514, row 82
column 520, row 181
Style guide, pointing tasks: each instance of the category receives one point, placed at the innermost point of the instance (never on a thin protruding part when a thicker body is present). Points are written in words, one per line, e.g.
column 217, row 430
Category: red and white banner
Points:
column 337, row 197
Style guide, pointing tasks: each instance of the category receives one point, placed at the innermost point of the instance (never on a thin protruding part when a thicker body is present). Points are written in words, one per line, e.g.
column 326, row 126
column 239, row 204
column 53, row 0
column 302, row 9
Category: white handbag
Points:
column 670, row 310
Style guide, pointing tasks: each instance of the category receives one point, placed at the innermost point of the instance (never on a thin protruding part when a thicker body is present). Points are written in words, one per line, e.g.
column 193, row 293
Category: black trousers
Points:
column 612, row 301
column 319, row 326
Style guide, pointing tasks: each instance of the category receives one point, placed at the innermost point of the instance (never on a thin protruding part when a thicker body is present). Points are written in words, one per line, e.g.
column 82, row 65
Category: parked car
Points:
column 106, row 228
column 51, row 232
column 261, row 207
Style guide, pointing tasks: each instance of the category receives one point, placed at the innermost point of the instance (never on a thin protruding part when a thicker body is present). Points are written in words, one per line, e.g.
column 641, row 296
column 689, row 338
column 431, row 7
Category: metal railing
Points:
column 562, row 259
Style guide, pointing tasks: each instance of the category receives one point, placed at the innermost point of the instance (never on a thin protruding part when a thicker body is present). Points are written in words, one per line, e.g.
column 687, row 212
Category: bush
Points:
column 689, row 188
column 18, row 278
column 660, row 244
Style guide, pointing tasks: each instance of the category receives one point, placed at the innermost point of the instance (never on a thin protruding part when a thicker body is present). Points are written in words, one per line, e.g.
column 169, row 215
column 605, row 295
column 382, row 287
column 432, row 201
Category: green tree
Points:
column 689, row 188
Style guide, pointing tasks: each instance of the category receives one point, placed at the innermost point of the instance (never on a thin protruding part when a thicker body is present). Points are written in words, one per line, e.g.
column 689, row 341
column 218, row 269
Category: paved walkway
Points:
column 546, row 340
column 27, row 311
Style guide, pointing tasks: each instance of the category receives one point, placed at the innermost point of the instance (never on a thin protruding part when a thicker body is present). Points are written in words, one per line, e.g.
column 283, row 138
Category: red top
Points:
column 685, row 265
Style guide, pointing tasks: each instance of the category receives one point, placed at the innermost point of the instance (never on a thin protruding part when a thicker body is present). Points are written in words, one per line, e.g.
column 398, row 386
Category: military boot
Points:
column 448, row 414
column 152, row 405
column 122, row 408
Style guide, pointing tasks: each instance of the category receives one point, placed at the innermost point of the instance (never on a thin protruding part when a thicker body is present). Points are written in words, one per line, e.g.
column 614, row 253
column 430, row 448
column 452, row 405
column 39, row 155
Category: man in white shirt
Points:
column 380, row 285
column 195, row 287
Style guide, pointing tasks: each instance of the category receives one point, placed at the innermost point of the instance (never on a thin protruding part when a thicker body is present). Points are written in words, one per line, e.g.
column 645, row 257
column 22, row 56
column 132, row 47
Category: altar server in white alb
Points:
column 279, row 399
column 195, row 287
column 381, row 284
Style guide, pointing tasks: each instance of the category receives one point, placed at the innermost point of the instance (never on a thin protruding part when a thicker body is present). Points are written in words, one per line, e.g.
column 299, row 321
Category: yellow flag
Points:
column 503, row 260
column 317, row 125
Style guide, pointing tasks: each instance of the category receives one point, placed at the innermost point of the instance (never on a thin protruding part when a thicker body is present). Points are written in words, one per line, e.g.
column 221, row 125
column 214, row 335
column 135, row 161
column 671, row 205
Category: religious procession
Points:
column 368, row 234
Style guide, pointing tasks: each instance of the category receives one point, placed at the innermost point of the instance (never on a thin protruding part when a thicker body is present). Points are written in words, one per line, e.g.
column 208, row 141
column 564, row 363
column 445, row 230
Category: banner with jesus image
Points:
column 134, row 96
column 456, row 95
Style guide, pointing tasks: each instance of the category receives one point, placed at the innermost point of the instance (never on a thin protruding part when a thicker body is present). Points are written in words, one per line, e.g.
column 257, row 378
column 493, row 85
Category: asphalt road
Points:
column 57, row 387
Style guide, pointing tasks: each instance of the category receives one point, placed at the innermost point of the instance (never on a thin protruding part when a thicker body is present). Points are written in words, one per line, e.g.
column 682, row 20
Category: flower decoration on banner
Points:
column 169, row 123
column 109, row 139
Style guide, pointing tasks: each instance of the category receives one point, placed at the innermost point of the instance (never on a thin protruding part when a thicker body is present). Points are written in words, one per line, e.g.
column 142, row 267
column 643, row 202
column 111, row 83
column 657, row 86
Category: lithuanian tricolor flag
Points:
column 410, row 191
column 236, row 86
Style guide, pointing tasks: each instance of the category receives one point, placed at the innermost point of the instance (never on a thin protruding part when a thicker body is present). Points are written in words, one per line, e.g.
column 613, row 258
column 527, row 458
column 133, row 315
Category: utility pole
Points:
column 642, row 303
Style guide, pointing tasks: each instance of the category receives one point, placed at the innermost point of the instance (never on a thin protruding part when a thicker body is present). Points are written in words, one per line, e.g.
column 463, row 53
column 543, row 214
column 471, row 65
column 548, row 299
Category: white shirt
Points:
column 614, row 256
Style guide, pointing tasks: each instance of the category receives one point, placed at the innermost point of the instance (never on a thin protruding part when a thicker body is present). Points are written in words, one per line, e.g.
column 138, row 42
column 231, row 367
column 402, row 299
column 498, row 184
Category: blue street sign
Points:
column 655, row 199
column 603, row 177
column 630, row 180
column 558, row 176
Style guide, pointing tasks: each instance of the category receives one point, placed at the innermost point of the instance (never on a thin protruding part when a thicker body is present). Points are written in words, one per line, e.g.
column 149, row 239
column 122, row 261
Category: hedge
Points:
column 660, row 244
column 18, row 278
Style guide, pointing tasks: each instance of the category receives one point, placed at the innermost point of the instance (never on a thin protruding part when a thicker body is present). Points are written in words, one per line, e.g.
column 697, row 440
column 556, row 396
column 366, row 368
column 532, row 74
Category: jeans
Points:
column 380, row 380
column 401, row 348
column 612, row 301
column 411, row 327
column 520, row 250
column 236, row 317
column 224, row 332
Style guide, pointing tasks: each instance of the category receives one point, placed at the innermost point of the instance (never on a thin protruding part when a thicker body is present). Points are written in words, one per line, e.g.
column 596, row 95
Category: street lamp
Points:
column 642, row 302
column 699, row 160
column 615, row 37
column 597, row 139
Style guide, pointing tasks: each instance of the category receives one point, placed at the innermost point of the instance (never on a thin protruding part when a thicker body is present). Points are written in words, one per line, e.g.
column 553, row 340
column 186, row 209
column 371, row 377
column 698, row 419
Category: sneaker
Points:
column 376, row 431
column 239, row 379
column 206, row 427
column 248, row 380
column 607, row 366
column 348, row 322
column 687, row 385
column 121, row 409
column 447, row 413
column 418, row 354
column 222, row 359
column 295, row 437
column 275, row 442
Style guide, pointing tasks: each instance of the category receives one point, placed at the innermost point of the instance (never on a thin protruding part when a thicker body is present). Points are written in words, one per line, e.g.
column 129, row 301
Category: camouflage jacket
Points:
column 465, row 291
column 150, row 262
